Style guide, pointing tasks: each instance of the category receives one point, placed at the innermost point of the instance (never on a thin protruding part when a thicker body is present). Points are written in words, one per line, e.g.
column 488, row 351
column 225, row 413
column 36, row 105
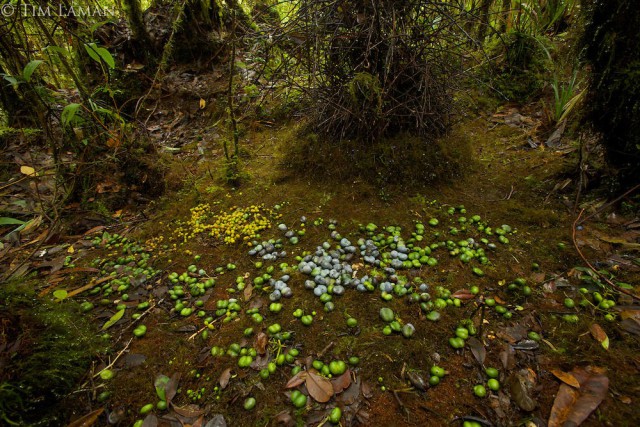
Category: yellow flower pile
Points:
column 237, row 224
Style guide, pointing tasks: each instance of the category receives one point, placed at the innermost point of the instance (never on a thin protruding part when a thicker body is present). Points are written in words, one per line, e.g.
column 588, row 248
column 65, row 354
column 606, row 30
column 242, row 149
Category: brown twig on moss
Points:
column 603, row 277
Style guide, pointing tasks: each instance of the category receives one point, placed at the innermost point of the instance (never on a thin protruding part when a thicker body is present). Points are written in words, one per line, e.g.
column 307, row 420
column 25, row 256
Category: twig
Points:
column 606, row 205
column 110, row 365
column 603, row 277
column 402, row 407
column 327, row 348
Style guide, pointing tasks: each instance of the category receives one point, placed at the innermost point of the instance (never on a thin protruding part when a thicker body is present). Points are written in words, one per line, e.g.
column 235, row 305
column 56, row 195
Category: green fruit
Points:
column 354, row 360
column 140, row 331
column 317, row 365
column 387, row 330
column 161, row 405
column 490, row 302
column 456, row 342
column 146, row 409
column 337, row 367
column 306, row 320
column 138, row 423
column 248, row 332
column 492, row 372
column 569, row 303
column 298, row 313
column 480, row 391
column 335, row 415
column 493, row 384
column 534, row 336
column 274, row 329
column 106, row 374
column 104, row 396
column 249, row 403
column 298, row 399
column 434, row 380
column 264, row 373
column 434, row 316
column 500, row 309
column 387, row 314
column 437, row 371
column 462, row 333
column 408, row 330
column 245, row 361
column 478, row 272
column 474, row 290
column 395, row 326
column 351, row 322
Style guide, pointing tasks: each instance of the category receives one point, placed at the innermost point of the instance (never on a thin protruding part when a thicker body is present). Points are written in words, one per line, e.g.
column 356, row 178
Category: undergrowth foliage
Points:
column 376, row 68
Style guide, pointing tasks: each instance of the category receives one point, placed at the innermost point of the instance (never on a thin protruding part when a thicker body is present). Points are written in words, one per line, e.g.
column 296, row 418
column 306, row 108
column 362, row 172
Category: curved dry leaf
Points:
column 150, row 421
column 87, row 420
column 248, row 292
column 521, row 386
column 172, row 387
column 27, row 170
column 566, row 378
column 573, row 406
column 477, row 349
column 297, row 379
column 463, row 294
column 224, row 378
column 342, row 382
column 189, row 411
column 261, row 343
column 599, row 335
column 319, row 388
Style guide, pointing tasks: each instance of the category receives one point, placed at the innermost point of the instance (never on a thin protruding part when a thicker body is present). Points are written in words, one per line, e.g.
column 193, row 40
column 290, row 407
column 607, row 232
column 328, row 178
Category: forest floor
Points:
column 499, row 262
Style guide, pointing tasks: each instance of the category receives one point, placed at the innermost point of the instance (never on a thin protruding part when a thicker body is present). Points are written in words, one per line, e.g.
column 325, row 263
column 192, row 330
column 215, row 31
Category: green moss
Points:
column 56, row 346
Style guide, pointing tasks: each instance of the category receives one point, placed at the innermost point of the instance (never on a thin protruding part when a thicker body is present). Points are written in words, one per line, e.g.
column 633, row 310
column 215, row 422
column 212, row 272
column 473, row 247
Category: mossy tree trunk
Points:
column 133, row 9
column 611, row 41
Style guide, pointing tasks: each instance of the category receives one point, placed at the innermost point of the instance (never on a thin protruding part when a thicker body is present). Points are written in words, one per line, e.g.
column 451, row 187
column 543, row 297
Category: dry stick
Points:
column 110, row 365
column 606, row 205
column 603, row 277
column 403, row 408
column 139, row 318
column 203, row 328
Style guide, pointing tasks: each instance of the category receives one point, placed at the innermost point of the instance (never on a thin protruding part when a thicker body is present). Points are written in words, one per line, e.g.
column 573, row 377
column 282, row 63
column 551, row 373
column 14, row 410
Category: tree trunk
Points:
column 483, row 25
column 138, row 29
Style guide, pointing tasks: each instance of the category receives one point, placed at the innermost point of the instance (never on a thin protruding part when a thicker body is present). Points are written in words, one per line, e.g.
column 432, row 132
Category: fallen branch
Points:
column 603, row 277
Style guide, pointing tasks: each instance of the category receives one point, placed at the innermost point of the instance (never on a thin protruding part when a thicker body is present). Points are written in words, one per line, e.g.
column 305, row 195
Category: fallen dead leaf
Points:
column 87, row 420
column 477, row 349
column 342, row 382
column 225, row 376
column 189, row 411
column 319, row 388
column 261, row 343
column 566, row 378
column 297, row 379
column 572, row 406
column 599, row 335
column 27, row 170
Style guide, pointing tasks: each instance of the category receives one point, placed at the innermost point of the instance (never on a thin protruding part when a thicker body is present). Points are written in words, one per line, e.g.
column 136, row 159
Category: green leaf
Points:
column 69, row 113
column 10, row 221
column 100, row 53
column 14, row 82
column 106, row 57
column 60, row 294
column 57, row 49
column 91, row 49
column 30, row 68
column 160, row 385
column 113, row 320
